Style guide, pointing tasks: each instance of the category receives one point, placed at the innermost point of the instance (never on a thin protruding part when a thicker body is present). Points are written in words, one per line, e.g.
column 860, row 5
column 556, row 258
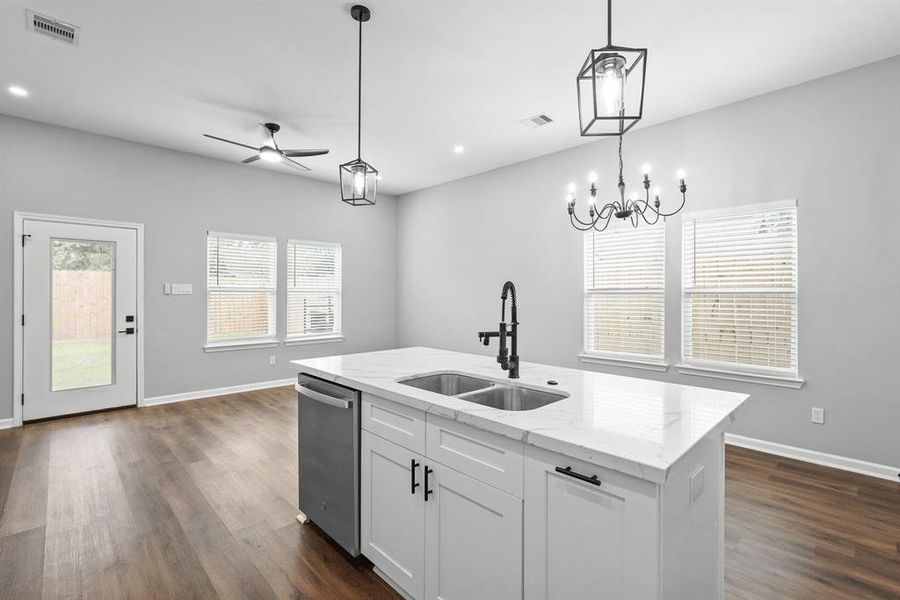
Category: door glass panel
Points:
column 82, row 313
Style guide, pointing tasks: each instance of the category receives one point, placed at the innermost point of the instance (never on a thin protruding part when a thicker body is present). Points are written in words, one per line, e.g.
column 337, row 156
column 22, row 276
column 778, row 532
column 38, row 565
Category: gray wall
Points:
column 833, row 143
column 178, row 197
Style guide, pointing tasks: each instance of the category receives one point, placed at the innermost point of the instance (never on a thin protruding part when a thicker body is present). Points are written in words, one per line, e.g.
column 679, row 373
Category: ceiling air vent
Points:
column 536, row 121
column 58, row 30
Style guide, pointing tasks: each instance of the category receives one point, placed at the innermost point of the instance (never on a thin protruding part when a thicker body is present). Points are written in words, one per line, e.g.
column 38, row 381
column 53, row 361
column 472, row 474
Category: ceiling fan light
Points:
column 270, row 154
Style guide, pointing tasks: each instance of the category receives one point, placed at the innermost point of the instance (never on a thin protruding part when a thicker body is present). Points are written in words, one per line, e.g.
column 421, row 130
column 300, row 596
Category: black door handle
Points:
column 568, row 471
column 427, row 491
column 413, row 465
column 128, row 331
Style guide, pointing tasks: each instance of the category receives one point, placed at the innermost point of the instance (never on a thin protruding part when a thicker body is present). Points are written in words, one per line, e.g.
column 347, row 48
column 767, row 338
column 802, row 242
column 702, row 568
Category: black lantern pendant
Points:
column 611, row 87
column 359, row 179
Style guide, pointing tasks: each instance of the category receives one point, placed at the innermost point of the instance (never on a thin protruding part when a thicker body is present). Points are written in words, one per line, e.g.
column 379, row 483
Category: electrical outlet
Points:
column 272, row 360
column 818, row 415
column 697, row 484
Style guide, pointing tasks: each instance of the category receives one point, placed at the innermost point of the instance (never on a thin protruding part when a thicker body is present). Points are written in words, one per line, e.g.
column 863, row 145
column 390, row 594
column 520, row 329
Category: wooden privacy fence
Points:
column 82, row 305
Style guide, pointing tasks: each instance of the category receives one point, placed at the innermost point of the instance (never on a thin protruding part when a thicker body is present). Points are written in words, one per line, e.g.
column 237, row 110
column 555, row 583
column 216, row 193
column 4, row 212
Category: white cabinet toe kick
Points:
column 452, row 511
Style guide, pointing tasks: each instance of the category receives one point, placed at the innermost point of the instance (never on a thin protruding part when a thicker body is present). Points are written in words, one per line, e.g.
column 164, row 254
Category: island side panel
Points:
column 692, row 525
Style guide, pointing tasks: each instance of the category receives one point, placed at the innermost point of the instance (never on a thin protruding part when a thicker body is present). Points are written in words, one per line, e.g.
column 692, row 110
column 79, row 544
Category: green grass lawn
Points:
column 81, row 363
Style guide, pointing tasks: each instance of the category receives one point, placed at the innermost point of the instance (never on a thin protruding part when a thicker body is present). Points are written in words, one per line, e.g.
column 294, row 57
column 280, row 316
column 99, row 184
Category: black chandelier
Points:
column 359, row 179
column 634, row 208
column 609, row 104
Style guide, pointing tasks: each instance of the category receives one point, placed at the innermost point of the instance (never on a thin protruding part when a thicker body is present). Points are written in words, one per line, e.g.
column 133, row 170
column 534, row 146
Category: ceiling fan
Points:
column 270, row 151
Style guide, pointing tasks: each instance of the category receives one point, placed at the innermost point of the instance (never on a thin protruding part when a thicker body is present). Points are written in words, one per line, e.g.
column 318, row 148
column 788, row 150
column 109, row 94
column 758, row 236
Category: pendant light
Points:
column 359, row 179
column 611, row 87
column 610, row 102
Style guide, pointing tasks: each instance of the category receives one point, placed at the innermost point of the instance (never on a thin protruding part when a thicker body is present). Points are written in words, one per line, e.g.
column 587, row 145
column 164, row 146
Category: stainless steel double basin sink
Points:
column 483, row 391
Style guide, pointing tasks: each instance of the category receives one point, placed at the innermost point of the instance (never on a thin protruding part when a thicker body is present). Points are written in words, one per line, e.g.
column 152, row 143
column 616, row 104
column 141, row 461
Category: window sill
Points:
column 783, row 381
column 320, row 339
column 239, row 345
column 648, row 364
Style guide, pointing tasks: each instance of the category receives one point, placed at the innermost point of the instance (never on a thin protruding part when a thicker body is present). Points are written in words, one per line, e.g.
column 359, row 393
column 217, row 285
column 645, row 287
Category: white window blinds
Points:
column 740, row 289
column 624, row 282
column 240, row 287
column 313, row 289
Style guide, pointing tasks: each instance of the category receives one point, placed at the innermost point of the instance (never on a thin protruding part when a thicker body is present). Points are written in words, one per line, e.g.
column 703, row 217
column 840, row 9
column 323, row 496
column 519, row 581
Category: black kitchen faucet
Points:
column 508, row 362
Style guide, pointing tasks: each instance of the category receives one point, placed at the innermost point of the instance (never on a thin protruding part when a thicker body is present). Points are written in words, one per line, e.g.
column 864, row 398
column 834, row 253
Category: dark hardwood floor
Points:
column 197, row 500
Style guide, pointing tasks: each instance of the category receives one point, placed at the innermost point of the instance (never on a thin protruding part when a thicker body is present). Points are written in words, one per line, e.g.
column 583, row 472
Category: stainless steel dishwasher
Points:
column 328, row 429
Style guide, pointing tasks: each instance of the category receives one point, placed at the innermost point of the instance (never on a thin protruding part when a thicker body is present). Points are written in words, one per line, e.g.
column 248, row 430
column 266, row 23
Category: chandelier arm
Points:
column 608, row 209
column 648, row 221
column 605, row 225
column 584, row 226
column 674, row 212
column 585, row 223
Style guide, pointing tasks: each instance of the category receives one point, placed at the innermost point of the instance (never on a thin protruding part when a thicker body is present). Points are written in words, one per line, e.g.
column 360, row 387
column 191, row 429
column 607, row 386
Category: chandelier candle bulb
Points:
column 645, row 169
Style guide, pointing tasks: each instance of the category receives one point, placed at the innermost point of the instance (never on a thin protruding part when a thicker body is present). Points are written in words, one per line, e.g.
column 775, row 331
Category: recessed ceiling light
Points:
column 458, row 149
column 16, row 90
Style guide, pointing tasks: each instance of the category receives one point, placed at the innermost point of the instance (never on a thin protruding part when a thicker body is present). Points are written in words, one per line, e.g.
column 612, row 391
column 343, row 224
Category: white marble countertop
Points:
column 636, row 426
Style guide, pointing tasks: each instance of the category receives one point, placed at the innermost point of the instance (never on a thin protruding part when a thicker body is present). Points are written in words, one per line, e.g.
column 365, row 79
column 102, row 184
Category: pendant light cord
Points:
column 609, row 22
column 359, row 99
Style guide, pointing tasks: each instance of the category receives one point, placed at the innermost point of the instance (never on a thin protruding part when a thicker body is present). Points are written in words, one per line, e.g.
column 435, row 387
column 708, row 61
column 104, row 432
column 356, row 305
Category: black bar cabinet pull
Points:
column 413, row 465
column 568, row 471
column 427, row 491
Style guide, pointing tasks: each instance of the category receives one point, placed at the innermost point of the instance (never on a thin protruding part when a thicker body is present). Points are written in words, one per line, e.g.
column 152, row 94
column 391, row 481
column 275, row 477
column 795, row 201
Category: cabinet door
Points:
column 392, row 523
column 584, row 540
column 473, row 538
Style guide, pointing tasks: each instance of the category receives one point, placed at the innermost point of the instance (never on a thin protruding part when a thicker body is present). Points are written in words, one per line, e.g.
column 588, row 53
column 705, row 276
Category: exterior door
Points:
column 80, row 318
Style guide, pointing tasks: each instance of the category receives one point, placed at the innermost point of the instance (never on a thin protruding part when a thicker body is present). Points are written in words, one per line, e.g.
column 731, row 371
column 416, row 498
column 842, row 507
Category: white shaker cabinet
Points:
column 589, row 533
column 392, row 523
column 473, row 538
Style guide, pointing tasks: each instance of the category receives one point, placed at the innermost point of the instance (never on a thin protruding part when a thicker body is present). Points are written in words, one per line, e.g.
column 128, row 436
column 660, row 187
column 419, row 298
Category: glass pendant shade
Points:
column 359, row 182
column 611, row 90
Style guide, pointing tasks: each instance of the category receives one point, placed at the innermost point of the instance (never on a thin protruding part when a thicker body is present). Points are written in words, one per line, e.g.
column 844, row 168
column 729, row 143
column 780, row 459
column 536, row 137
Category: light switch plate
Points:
column 697, row 484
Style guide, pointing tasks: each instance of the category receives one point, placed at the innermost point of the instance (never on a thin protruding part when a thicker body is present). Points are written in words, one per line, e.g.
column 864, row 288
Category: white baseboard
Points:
column 815, row 457
column 7, row 423
column 223, row 391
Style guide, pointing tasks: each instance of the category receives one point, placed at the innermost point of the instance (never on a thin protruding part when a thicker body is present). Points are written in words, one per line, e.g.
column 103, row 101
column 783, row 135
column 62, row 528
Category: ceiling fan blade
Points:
column 230, row 142
column 253, row 158
column 304, row 152
column 295, row 164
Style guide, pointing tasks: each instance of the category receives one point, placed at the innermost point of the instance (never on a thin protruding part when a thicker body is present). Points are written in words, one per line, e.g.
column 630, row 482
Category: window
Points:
column 313, row 290
column 240, row 289
column 624, row 303
column 740, row 290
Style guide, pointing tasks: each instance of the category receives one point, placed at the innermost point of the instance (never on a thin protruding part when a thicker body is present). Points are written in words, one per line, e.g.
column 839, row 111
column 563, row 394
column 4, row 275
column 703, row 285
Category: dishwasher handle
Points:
column 323, row 398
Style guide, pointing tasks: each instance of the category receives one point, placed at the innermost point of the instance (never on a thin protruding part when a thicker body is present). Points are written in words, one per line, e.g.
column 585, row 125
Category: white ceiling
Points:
column 435, row 73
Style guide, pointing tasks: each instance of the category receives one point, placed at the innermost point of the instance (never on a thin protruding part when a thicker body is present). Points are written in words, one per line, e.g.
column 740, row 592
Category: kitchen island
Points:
column 612, row 489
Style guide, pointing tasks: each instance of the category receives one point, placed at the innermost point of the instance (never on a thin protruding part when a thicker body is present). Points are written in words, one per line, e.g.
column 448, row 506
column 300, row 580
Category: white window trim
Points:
column 316, row 338
column 746, row 376
column 732, row 371
column 622, row 359
column 244, row 343
column 614, row 359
